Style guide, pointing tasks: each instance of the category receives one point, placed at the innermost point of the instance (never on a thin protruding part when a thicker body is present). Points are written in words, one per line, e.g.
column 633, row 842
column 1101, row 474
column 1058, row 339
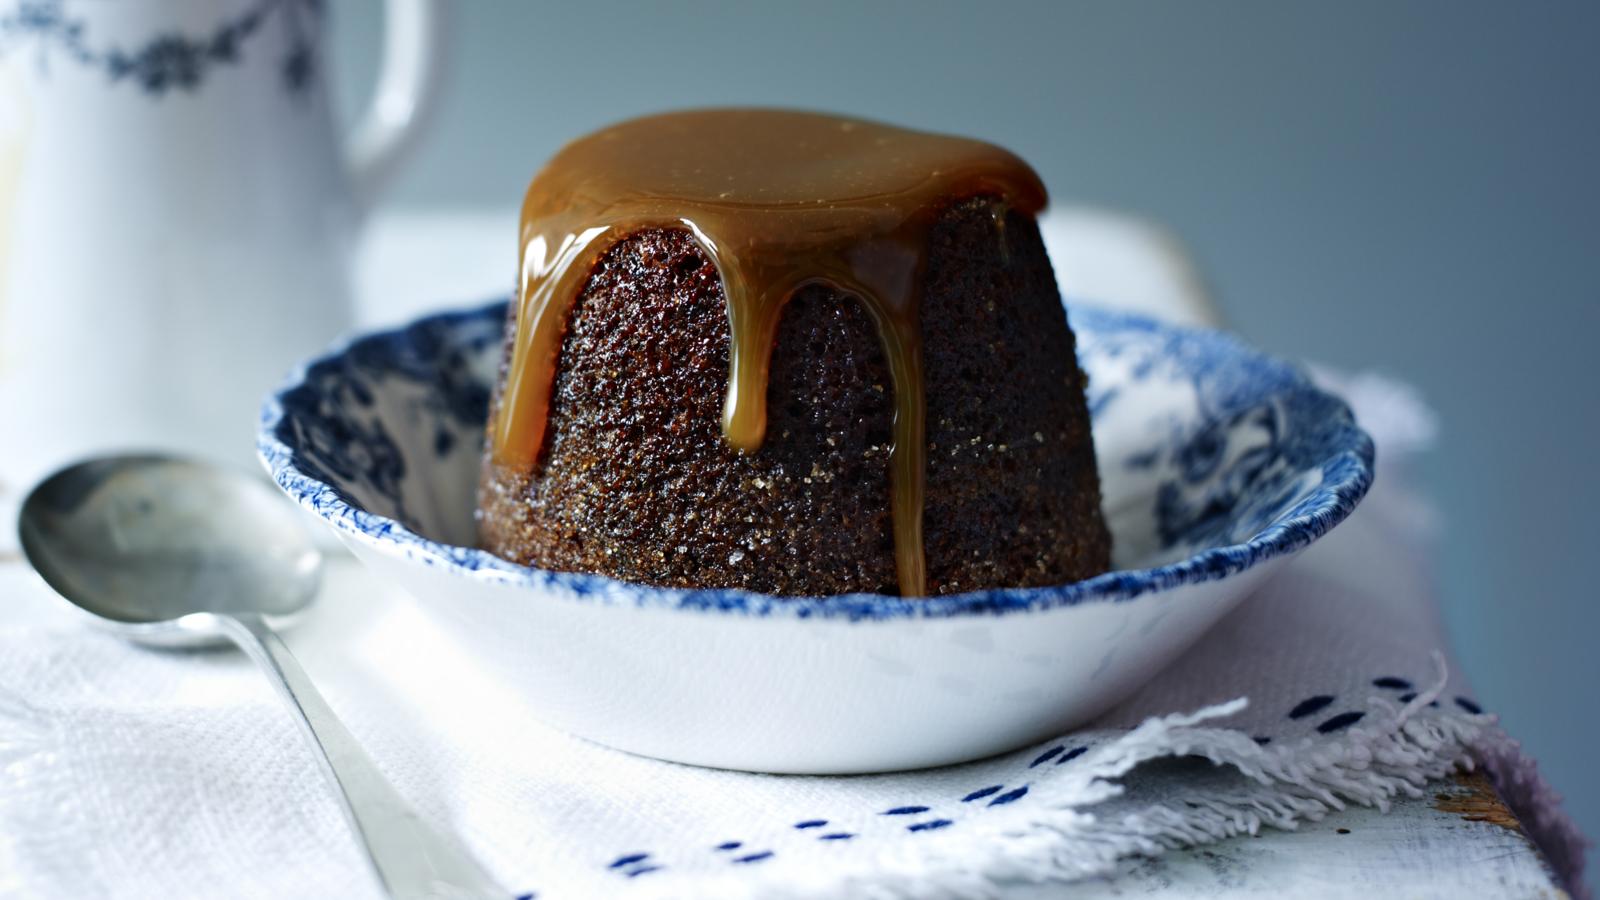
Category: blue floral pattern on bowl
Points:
column 1213, row 458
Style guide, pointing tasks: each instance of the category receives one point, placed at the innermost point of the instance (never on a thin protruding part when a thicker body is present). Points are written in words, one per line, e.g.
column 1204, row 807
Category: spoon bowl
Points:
column 155, row 547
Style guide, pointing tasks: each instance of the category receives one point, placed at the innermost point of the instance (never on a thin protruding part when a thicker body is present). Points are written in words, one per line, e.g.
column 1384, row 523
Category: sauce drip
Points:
column 777, row 200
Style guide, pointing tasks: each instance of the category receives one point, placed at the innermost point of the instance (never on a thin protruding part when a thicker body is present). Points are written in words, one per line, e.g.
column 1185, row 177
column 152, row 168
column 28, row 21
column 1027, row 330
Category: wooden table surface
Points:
column 1458, row 840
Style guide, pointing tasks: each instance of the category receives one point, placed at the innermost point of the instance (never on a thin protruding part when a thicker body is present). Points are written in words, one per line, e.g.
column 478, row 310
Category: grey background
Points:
column 1409, row 187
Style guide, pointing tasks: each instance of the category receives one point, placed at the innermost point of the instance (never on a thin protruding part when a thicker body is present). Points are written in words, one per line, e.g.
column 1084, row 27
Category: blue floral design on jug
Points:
column 168, row 60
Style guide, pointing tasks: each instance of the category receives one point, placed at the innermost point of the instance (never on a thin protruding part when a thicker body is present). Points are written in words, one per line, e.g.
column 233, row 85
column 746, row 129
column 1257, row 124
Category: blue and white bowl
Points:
column 1217, row 462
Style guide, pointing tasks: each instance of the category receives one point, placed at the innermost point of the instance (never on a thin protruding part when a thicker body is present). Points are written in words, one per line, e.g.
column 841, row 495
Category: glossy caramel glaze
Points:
column 778, row 201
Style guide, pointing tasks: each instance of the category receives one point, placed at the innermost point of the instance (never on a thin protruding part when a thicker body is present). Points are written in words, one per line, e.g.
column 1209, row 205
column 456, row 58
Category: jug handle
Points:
column 407, row 92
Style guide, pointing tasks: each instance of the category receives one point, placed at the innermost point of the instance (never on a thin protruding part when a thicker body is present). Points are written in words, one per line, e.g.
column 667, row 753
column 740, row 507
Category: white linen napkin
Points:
column 140, row 773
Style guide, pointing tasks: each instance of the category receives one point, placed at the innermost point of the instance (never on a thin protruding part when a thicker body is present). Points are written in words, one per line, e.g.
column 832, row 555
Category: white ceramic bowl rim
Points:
column 1346, row 462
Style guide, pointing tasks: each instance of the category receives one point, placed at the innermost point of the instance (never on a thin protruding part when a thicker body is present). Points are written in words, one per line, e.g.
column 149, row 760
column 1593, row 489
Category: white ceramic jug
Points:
column 177, row 213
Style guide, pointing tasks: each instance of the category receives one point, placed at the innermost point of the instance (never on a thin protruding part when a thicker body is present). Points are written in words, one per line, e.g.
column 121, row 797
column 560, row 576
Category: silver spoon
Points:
column 173, row 552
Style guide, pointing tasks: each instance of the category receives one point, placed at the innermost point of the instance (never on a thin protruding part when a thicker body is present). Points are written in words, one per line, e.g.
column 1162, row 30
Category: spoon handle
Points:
column 409, row 857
